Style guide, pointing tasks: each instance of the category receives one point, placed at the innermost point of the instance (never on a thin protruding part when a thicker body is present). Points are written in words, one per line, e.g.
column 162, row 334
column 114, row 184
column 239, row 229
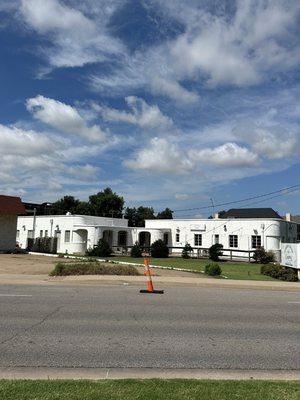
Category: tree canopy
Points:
column 107, row 203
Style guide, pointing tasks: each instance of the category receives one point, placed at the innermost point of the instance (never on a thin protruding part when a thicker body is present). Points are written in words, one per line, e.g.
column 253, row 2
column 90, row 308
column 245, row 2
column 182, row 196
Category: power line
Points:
column 282, row 192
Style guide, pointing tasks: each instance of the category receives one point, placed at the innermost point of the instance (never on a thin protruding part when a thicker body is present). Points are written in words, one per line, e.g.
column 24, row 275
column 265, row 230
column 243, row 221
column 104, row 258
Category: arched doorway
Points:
column 80, row 237
column 108, row 237
column 145, row 239
column 166, row 238
column 122, row 238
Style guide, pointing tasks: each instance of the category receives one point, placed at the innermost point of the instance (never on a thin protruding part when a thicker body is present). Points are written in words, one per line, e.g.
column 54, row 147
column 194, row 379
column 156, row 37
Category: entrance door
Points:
column 108, row 237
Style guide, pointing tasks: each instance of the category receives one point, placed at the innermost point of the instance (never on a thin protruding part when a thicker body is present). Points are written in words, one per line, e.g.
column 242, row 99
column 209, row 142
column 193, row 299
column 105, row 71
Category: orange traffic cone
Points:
column 150, row 288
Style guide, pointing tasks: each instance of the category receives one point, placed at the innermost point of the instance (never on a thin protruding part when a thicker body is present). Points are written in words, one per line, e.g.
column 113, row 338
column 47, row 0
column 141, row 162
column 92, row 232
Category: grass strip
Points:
column 149, row 389
column 232, row 270
column 93, row 268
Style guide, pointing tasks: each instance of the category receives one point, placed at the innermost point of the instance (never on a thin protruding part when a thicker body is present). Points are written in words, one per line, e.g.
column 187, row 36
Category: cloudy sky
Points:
column 169, row 102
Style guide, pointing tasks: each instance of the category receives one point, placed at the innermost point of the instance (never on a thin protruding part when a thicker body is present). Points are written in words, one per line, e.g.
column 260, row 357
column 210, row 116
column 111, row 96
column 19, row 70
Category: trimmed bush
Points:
column 136, row 250
column 44, row 245
column 159, row 249
column 93, row 268
column 279, row 272
column 213, row 269
column 186, row 252
column 101, row 250
column 263, row 257
column 215, row 252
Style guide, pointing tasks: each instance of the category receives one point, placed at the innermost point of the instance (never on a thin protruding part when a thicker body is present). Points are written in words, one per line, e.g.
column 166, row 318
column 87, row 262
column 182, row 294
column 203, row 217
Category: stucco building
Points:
column 77, row 233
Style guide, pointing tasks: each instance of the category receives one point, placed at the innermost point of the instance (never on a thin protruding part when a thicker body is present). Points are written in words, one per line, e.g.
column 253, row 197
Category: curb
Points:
column 38, row 373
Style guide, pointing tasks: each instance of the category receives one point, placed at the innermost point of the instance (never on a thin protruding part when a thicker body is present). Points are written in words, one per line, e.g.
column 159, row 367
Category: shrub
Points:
column 263, row 257
column 44, row 245
column 279, row 272
column 136, row 250
column 213, row 269
column 215, row 252
column 101, row 250
column 159, row 249
column 186, row 252
column 93, row 268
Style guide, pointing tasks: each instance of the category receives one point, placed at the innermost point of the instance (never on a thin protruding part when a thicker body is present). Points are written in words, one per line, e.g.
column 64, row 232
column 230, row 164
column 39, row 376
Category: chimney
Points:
column 216, row 216
column 288, row 217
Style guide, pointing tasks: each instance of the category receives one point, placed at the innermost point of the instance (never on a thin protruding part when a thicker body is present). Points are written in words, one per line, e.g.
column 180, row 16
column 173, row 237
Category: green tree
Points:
column 167, row 213
column 159, row 249
column 106, row 204
column 64, row 205
column 83, row 208
column 137, row 216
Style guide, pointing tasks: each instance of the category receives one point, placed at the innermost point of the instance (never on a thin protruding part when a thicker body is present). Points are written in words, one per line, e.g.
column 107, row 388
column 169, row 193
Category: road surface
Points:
column 105, row 326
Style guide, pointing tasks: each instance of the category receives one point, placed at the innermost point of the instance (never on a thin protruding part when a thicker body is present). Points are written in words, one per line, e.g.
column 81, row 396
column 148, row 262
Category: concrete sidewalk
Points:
column 160, row 281
column 143, row 373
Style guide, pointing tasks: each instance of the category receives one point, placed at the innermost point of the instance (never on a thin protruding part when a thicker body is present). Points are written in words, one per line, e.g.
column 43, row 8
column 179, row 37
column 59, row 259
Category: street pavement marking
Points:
column 293, row 302
column 15, row 295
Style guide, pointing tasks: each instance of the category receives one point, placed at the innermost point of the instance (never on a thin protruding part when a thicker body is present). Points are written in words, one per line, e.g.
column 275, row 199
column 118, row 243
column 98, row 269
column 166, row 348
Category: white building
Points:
column 76, row 233
column 233, row 234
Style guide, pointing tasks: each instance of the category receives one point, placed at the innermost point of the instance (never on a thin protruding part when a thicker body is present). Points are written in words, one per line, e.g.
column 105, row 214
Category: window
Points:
column 46, row 233
column 30, row 234
column 18, row 234
column 41, row 233
column 256, row 241
column 233, row 241
column 166, row 238
column 67, row 236
column 197, row 239
column 177, row 237
column 122, row 238
column 217, row 239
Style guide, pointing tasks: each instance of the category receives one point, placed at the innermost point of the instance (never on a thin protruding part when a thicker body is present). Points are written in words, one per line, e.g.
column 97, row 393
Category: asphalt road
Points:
column 115, row 326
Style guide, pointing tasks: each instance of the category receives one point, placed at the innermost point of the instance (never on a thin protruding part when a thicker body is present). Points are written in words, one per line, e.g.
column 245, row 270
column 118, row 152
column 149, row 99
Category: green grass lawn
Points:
column 154, row 389
column 233, row 270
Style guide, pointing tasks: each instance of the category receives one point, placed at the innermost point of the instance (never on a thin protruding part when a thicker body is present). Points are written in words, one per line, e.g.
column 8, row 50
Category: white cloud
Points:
column 237, row 49
column 173, row 90
column 227, row 155
column 21, row 142
column 181, row 196
column 160, row 156
column 77, row 40
column 64, row 118
column 274, row 146
column 142, row 114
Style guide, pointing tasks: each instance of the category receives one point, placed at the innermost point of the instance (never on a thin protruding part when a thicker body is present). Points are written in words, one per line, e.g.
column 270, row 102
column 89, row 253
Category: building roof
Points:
column 295, row 218
column 251, row 213
column 11, row 205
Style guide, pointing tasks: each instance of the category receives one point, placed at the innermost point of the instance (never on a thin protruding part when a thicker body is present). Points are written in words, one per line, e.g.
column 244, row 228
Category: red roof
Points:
column 11, row 205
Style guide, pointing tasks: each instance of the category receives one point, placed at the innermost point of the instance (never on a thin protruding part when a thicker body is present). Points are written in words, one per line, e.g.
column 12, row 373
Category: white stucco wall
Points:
column 8, row 227
column 85, row 231
column 272, row 232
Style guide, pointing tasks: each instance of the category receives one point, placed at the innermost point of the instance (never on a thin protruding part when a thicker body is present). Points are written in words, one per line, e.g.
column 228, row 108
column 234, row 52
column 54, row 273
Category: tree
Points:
column 136, row 250
column 102, row 249
column 83, row 208
column 167, row 213
column 215, row 251
column 187, row 250
column 159, row 249
column 106, row 204
column 137, row 216
column 64, row 205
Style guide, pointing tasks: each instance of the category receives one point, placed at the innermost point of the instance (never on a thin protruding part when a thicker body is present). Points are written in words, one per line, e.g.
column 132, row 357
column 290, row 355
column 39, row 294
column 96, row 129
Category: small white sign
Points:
column 289, row 255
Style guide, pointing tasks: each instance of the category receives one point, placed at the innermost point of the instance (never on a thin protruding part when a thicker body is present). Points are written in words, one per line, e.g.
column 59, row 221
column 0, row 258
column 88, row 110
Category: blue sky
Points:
column 170, row 103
